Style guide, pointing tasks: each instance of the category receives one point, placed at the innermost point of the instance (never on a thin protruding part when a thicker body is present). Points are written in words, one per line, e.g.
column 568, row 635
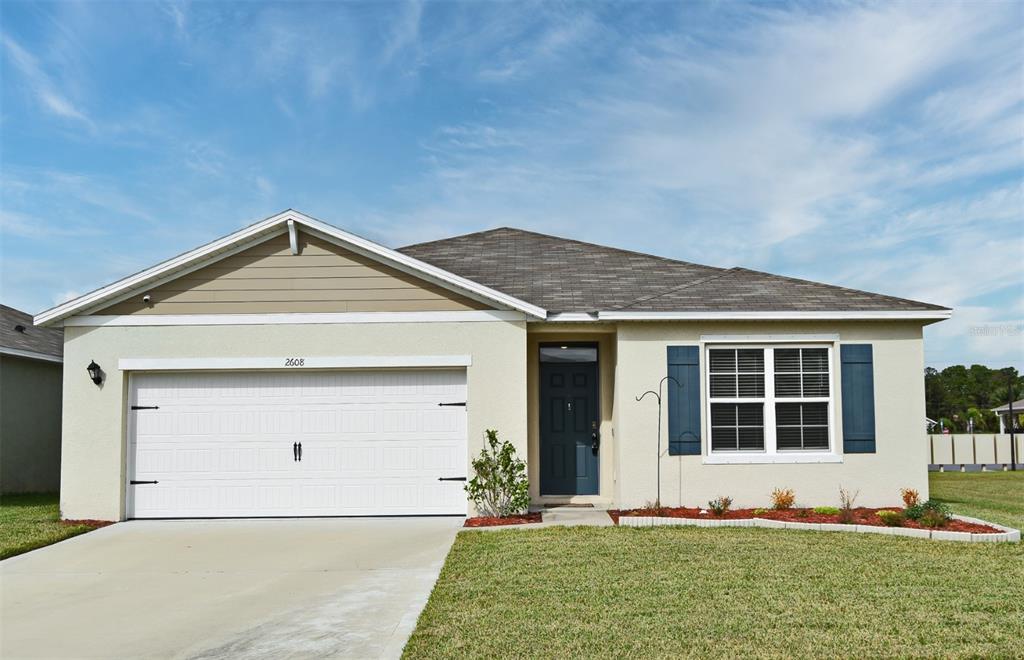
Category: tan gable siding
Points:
column 268, row 278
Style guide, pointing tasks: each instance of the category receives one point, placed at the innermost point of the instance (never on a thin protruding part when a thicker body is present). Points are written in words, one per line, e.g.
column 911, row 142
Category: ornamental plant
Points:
column 846, row 500
column 937, row 511
column 910, row 497
column 783, row 499
column 720, row 505
column 930, row 514
column 500, row 487
column 827, row 510
column 892, row 518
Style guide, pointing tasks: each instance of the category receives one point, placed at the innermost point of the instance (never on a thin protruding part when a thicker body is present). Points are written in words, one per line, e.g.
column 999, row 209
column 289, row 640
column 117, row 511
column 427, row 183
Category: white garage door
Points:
column 327, row 443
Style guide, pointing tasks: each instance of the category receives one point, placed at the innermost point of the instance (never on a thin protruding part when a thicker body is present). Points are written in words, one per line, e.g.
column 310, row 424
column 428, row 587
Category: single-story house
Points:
column 1003, row 412
column 30, row 399
column 295, row 369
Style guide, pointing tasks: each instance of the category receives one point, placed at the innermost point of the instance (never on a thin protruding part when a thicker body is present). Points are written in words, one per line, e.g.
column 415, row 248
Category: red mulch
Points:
column 862, row 516
column 89, row 522
column 486, row 521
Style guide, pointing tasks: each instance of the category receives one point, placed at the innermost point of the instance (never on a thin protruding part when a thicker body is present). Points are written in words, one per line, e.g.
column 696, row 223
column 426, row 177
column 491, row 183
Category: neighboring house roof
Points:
column 1018, row 407
column 286, row 221
column 569, row 276
column 18, row 336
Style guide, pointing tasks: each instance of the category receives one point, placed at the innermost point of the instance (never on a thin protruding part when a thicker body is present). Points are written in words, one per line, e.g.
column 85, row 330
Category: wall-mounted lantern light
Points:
column 95, row 373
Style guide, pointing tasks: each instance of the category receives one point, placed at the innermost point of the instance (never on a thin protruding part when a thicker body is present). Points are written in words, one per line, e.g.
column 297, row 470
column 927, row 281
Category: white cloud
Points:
column 41, row 85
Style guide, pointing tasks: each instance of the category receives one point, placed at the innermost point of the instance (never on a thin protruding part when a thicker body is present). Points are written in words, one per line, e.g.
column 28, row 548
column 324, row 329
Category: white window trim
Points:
column 770, row 453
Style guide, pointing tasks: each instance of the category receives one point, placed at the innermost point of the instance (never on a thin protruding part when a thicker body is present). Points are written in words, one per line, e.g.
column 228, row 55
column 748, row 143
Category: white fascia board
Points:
column 298, row 318
column 745, row 339
column 296, row 362
column 31, row 355
column 209, row 253
column 936, row 314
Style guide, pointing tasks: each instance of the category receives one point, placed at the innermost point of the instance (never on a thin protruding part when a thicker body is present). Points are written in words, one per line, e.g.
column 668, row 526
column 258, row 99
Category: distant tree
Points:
column 958, row 395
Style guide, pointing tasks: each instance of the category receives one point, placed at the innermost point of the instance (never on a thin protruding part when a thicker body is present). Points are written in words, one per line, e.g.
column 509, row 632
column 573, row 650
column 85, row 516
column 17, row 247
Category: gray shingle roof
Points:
column 564, row 275
column 48, row 341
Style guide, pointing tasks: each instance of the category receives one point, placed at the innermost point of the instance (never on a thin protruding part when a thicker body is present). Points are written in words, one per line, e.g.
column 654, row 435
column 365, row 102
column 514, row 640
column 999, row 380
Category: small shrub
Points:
column 720, row 505
column 783, row 499
column 826, row 510
column 911, row 498
column 937, row 510
column 932, row 518
column 846, row 500
column 760, row 512
column 934, row 514
column 802, row 513
column 500, row 487
column 892, row 518
column 655, row 507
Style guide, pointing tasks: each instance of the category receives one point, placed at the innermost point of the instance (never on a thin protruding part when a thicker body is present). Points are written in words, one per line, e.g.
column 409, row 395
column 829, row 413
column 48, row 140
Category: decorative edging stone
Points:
column 1007, row 535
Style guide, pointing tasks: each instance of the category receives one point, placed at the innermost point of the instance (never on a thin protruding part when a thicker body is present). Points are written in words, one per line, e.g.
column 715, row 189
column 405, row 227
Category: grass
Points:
column 994, row 496
column 729, row 592
column 31, row 521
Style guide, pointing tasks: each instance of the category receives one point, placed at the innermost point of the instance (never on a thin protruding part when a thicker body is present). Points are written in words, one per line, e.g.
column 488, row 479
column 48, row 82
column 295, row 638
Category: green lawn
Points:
column 28, row 522
column 574, row 592
column 995, row 496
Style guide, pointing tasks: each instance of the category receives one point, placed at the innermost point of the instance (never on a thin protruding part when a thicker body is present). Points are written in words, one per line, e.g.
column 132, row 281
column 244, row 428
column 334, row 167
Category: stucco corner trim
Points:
column 295, row 363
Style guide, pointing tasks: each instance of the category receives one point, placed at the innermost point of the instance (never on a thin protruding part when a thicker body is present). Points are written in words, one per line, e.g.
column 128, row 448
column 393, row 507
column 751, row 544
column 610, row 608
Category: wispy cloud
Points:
column 41, row 85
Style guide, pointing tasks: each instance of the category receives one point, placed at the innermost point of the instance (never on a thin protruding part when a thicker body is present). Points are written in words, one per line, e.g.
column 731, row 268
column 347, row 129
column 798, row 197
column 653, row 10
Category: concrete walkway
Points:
column 225, row 589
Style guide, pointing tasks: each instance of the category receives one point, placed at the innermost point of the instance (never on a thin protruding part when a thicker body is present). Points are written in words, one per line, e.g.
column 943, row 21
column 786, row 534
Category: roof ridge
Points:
column 567, row 240
column 680, row 287
column 841, row 288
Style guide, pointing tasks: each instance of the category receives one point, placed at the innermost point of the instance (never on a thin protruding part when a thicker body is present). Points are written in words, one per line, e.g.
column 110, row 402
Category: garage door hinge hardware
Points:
column 136, row 483
column 460, row 403
column 145, row 407
column 451, row 478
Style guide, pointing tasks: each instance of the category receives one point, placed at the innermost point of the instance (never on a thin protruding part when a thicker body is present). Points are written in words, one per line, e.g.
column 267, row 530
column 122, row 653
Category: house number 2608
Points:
column 294, row 362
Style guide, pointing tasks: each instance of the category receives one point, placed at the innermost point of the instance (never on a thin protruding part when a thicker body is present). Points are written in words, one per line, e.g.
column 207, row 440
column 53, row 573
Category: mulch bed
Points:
column 89, row 522
column 862, row 516
column 485, row 521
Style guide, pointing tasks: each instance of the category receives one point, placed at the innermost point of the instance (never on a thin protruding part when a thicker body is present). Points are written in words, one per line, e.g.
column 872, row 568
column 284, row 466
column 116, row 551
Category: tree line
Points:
column 959, row 395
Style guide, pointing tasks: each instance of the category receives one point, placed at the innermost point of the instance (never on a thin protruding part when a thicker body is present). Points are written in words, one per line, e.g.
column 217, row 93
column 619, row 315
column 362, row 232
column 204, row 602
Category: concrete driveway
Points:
column 225, row 588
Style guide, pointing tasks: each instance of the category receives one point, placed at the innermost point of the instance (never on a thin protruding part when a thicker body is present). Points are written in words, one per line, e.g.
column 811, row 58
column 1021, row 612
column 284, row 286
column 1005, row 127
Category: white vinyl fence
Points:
column 956, row 449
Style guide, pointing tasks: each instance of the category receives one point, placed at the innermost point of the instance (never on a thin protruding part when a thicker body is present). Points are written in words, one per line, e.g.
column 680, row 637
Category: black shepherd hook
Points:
column 657, row 395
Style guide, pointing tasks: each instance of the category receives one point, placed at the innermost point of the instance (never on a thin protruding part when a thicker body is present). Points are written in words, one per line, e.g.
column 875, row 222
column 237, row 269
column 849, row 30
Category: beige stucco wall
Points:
column 94, row 418
column 900, row 461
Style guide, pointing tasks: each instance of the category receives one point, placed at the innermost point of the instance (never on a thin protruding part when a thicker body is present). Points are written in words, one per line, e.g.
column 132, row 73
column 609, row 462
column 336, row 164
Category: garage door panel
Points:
column 373, row 443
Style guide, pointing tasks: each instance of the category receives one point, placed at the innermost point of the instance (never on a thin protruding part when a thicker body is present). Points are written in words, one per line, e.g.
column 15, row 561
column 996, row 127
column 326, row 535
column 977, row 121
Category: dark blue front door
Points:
column 568, row 428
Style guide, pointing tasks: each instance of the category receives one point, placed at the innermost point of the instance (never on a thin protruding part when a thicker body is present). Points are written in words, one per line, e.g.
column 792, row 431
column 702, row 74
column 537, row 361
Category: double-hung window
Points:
column 769, row 400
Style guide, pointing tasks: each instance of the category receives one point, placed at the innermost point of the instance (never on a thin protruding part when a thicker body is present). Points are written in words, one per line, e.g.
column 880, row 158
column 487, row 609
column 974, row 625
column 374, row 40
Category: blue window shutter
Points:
column 858, row 383
column 684, row 402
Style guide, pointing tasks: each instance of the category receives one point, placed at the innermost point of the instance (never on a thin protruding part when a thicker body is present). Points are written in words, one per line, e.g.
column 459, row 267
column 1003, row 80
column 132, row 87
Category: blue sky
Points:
column 877, row 146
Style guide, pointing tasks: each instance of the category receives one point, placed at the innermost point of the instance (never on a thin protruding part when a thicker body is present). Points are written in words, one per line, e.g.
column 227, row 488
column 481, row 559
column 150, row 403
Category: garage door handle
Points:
column 295, row 451
column 451, row 478
column 460, row 403
column 136, row 483
column 300, row 452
